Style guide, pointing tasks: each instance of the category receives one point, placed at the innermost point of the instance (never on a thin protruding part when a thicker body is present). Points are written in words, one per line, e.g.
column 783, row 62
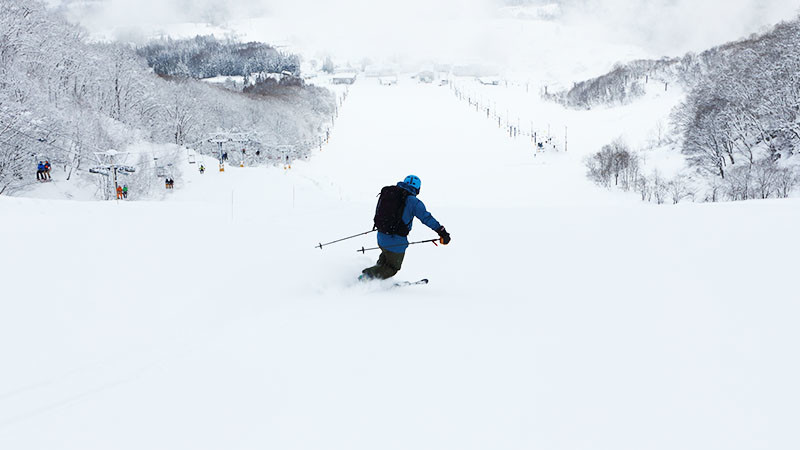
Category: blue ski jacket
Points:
column 414, row 208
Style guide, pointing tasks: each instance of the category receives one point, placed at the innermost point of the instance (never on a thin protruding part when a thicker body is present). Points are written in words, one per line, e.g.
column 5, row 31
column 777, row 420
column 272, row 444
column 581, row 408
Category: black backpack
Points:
column 389, row 212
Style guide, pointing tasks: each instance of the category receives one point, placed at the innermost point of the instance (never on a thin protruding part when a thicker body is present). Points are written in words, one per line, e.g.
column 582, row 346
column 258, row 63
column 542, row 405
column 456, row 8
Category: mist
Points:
column 470, row 30
column 673, row 27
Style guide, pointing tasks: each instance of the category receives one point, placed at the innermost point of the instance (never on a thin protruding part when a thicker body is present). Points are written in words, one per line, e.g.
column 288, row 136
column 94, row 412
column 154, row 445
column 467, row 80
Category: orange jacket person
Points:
column 119, row 192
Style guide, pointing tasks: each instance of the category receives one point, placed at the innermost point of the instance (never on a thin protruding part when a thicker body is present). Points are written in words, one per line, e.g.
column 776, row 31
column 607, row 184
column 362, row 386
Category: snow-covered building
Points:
column 425, row 76
column 344, row 78
column 388, row 81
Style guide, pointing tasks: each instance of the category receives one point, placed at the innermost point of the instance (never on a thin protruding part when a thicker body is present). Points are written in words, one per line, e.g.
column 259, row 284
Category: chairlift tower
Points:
column 222, row 138
column 109, row 168
column 285, row 150
column 219, row 141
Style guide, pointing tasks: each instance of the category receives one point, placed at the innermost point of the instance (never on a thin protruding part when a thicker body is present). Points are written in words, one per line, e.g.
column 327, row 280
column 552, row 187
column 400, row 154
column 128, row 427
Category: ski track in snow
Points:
column 561, row 316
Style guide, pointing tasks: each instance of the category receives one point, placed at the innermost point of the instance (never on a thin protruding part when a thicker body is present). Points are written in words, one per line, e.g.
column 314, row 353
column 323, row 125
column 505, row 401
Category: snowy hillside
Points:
column 64, row 99
column 737, row 125
column 561, row 316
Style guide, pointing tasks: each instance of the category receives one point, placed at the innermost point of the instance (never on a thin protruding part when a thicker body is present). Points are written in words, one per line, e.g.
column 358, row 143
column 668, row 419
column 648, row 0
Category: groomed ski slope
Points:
column 560, row 317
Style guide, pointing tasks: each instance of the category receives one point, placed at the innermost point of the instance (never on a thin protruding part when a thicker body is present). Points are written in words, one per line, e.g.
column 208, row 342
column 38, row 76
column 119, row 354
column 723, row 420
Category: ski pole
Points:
column 364, row 250
column 344, row 239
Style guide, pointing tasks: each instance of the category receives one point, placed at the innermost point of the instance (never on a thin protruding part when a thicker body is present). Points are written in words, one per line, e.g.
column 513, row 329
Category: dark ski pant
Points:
column 388, row 265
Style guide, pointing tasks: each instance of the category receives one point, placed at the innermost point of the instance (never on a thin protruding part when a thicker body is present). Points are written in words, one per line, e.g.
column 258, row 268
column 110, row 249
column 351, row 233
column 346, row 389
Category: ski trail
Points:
column 462, row 159
column 192, row 327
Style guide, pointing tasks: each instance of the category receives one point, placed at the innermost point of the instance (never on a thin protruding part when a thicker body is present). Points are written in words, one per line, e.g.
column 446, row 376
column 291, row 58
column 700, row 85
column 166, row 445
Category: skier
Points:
column 119, row 192
column 125, row 191
column 393, row 231
column 47, row 167
column 40, row 171
column 202, row 169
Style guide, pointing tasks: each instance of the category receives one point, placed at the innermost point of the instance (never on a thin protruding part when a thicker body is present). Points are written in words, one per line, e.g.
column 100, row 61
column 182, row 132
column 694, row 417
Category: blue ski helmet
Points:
column 413, row 181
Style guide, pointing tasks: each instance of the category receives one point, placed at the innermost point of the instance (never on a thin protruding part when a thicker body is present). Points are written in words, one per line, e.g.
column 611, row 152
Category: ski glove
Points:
column 443, row 235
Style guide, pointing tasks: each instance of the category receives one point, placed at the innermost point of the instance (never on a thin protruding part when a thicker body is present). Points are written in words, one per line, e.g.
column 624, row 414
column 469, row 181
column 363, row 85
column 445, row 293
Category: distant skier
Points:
column 202, row 169
column 119, row 192
column 40, row 171
column 125, row 192
column 397, row 207
column 47, row 168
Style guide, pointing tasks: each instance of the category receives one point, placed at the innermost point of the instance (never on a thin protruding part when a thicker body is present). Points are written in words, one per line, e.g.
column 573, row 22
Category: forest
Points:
column 207, row 56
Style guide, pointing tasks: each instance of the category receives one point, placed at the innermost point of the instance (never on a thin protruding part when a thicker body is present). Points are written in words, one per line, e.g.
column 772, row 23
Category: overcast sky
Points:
column 668, row 27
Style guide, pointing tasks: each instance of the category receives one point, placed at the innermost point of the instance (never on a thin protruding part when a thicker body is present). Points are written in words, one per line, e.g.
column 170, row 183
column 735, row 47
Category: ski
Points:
column 410, row 283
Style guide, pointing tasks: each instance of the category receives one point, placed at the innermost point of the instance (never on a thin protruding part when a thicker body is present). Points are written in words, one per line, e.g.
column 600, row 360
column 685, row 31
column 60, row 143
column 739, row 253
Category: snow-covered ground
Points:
column 222, row 79
column 561, row 316
column 519, row 102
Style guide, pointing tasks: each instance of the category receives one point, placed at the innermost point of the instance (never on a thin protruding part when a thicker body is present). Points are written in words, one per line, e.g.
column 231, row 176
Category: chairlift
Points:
column 99, row 170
